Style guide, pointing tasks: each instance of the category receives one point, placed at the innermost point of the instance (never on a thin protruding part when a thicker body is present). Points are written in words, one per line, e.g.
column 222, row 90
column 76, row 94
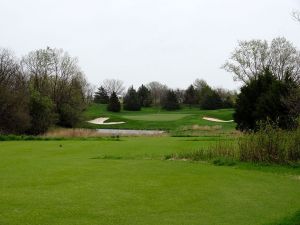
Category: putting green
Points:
column 157, row 117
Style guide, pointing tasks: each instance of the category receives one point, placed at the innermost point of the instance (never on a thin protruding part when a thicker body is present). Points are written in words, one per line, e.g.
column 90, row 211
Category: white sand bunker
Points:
column 101, row 121
column 216, row 120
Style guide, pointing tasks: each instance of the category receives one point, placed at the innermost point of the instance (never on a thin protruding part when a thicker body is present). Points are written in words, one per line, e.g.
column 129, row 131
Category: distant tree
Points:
column 101, row 96
column 114, row 85
column 228, row 98
column 250, row 59
column 296, row 15
column 180, row 95
column 158, row 91
column 114, row 104
column 264, row 99
column 131, row 100
column 211, row 100
column 190, row 96
column 144, row 96
column 170, row 102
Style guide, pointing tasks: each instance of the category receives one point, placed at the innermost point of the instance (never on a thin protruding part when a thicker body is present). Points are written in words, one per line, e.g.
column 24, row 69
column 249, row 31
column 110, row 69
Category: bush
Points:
column 69, row 116
column 211, row 101
column 114, row 104
column 269, row 144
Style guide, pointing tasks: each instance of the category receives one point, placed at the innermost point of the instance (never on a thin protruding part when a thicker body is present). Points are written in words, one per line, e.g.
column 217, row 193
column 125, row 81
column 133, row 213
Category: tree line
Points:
column 44, row 88
column 199, row 94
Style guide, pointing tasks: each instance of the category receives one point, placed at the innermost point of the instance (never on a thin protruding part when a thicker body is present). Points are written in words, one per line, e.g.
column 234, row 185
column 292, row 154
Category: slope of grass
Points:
column 157, row 119
column 107, row 182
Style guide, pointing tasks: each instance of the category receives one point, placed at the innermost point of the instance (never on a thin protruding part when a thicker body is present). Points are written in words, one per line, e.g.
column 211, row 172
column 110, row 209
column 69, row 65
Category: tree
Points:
column 101, row 96
column 158, row 91
column 144, row 96
column 250, row 58
column 55, row 74
column 14, row 95
column 114, row 104
column 296, row 15
column 211, row 100
column 170, row 102
column 264, row 99
column 113, row 85
column 190, row 96
column 41, row 113
column 131, row 100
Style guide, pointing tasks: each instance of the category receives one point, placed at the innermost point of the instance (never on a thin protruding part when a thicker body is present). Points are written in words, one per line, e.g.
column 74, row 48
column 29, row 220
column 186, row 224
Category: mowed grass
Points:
column 157, row 119
column 127, row 182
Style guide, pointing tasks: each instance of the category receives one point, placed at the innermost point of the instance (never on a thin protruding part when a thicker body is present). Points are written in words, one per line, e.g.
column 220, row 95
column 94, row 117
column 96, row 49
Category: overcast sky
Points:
column 138, row 41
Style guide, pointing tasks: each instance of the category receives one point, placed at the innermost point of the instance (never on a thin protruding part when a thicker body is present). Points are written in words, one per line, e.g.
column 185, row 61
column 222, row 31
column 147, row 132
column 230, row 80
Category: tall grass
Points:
column 268, row 145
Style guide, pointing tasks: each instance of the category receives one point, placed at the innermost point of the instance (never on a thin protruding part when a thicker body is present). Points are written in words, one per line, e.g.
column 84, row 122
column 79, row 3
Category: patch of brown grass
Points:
column 76, row 132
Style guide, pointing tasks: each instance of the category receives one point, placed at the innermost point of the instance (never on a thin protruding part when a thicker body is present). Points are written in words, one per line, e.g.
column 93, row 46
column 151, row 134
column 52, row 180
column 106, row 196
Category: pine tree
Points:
column 190, row 96
column 114, row 104
column 170, row 102
column 101, row 96
column 131, row 100
column 144, row 96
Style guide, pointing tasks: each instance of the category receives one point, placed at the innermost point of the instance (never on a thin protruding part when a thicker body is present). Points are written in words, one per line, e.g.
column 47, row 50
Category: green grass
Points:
column 157, row 119
column 75, row 182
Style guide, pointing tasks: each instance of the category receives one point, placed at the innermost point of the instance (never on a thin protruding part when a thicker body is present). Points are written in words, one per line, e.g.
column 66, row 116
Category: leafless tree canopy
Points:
column 251, row 57
column 157, row 90
column 296, row 15
column 113, row 85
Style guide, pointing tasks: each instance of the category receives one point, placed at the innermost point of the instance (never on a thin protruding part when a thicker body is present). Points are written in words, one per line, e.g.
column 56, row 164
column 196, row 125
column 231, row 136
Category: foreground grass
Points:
column 125, row 182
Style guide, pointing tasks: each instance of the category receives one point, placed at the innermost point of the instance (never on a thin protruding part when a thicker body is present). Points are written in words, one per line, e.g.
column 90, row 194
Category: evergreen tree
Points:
column 264, row 99
column 211, row 100
column 190, row 96
column 131, row 100
column 170, row 102
column 114, row 104
column 101, row 96
column 144, row 96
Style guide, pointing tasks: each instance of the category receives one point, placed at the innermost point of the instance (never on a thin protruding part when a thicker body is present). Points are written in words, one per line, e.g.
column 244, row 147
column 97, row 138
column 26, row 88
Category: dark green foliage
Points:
column 131, row 100
column 69, row 115
column 211, row 100
column 101, row 96
column 262, row 99
column 41, row 113
column 114, row 104
column 144, row 96
column 190, row 96
column 170, row 102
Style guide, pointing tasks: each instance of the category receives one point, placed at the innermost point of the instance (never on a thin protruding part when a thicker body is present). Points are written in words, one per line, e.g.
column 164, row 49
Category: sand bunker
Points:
column 101, row 121
column 217, row 120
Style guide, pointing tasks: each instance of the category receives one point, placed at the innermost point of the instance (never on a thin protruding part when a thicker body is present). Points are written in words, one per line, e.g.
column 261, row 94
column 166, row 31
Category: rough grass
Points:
column 107, row 182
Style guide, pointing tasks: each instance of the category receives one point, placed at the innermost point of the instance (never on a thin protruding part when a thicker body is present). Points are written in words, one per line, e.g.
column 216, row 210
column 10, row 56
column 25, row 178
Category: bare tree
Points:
column 114, row 85
column 251, row 57
column 296, row 15
column 158, row 91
